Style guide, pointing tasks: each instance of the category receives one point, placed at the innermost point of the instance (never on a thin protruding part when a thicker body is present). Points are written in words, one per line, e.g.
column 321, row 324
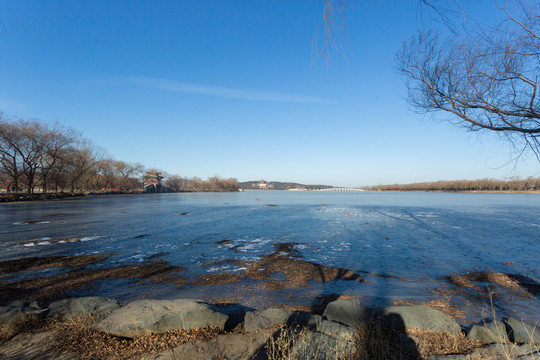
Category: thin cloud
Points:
column 224, row 92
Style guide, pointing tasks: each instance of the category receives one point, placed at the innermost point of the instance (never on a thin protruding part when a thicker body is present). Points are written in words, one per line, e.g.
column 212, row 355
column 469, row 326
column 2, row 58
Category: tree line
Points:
column 45, row 158
column 215, row 183
column 516, row 184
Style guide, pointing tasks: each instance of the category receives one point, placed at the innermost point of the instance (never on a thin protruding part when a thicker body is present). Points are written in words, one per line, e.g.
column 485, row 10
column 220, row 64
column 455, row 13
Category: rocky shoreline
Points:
column 95, row 327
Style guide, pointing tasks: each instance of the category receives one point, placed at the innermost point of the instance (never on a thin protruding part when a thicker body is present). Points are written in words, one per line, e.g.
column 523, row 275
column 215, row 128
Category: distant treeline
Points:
column 277, row 185
column 214, row 183
column 529, row 184
column 38, row 157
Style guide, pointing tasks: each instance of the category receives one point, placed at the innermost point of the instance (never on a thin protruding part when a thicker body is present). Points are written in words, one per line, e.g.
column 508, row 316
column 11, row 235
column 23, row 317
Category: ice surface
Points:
column 415, row 239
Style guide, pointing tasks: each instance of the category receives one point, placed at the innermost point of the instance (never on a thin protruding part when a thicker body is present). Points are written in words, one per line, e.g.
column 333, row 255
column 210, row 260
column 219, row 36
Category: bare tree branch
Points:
column 486, row 79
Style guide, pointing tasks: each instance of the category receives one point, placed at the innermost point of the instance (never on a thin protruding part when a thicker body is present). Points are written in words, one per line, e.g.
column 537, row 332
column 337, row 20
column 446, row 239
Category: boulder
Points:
column 235, row 346
column 510, row 351
column 318, row 346
column 518, row 331
column 144, row 317
column 493, row 332
column 348, row 312
column 310, row 320
column 92, row 305
column 336, row 330
column 262, row 319
column 30, row 305
column 420, row 317
column 16, row 310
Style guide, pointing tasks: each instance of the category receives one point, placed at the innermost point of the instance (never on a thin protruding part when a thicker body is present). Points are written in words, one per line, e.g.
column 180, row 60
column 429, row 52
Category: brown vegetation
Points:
column 514, row 185
column 80, row 338
column 438, row 343
column 375, row 340
column 39, row 158
column 216, row 279
column 24, row 323
column 213, row 184
column 59, row 286
column 477, row 279
column 35, row 262
column 296, row 272
column 280, row 269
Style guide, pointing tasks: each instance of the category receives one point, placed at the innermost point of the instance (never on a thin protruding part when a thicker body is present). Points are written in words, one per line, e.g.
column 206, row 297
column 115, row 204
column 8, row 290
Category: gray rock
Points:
column 510, row 351
column 519, row 331
column 318, row 346
column 490, row 333
column 145, row 317
column 348, row 312
column 9, row 314
column 25, row 305
column 228, row 346
column 420, row 317
column 312, row 320
column 93, row 305
column 262, row 319
column 336, row 330
column 16, row 310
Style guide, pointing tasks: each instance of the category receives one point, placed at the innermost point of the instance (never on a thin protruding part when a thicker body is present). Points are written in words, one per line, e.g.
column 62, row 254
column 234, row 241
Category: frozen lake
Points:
column 405, row 246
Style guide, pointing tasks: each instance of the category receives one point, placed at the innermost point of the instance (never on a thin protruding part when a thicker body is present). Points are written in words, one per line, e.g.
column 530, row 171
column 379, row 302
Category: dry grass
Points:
column 80, row 338
column 216, row 279
column 508, row 350
column 296, row 272
column 280, row 345
column 477, row 280
column 282, row 269
column 32, row 263
column 77, row 336
column 439, row 343
column 57, row 287
column 374, row 340
column 24, row 323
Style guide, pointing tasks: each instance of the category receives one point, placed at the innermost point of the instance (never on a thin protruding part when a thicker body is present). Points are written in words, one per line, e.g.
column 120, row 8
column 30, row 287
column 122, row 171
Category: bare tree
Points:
column 175, row 183
column 55, row 141
column 21, row 148
column 9, row 155
column 485, row 78
column 81, row 159
column 129, row 174
column 332, row 28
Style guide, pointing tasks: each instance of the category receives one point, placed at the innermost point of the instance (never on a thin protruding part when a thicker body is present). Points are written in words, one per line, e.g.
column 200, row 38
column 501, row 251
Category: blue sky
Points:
column 203, row 88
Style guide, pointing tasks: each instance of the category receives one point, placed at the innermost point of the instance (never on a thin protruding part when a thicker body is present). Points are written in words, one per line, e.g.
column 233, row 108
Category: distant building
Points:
column 152, row 182
column 263, row 185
